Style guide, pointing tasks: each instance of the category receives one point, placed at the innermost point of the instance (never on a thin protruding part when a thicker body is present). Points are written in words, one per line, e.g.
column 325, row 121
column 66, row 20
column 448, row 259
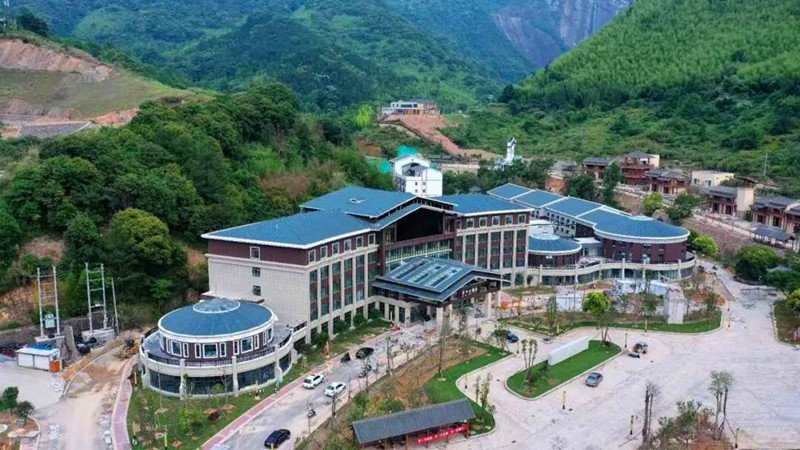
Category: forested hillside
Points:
column 138, row 197
column 338, row 52
column 707, row 83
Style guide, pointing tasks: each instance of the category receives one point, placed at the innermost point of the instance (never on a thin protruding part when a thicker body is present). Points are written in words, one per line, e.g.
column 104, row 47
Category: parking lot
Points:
column 290, row 411
column 764, row 403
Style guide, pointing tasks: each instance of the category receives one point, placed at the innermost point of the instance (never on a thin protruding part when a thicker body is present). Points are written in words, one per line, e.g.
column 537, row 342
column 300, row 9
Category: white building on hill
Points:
column 414, row 174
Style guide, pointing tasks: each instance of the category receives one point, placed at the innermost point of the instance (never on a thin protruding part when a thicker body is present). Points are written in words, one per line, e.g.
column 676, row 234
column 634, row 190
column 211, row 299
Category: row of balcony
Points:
column 175, row 361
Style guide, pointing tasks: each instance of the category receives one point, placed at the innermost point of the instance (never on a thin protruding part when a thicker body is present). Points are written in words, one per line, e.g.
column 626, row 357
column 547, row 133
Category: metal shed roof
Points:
column 572, row 206
column 537, row 198
column 412, row 421
column 772, row 233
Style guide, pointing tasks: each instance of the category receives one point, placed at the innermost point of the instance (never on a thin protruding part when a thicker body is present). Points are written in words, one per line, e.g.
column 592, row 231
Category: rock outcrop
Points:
column 17, row 54
column 543, row 30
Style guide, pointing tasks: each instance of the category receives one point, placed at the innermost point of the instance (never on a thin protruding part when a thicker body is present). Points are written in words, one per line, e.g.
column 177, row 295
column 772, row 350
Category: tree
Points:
column 84, row 242
column 10, row 236
column 721, row 383
column 598, row 305
column 551, row 314
column 705, row 245
column 786, row 280
column 24, row 410
column 8, row 400
column 364, row 116
column 582, row 186
column 652, row 203
column 793, row 300
column 682, row 207
column 710, row 302
column 651, row 391
column 529, row 349
column 612, row 176
column 444, row 332
column 752, row 261
column 27, row 20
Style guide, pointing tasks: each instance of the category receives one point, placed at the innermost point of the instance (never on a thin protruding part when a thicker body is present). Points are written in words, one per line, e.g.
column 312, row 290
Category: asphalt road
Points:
column 290, row 411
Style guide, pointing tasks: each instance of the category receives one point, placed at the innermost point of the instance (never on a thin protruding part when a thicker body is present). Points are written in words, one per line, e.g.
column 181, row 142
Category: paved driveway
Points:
column 290, row 411
column 764, row 403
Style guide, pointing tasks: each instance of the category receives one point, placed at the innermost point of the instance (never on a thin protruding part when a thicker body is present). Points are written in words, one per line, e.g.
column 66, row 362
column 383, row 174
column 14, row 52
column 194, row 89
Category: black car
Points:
column 277, row 437
column 364, row 352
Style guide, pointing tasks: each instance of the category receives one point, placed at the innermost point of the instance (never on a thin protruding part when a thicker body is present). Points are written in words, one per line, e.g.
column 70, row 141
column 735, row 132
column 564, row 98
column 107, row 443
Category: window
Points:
column 337, row 268
column 185, row 350
column 256, row 271
column 373, row 257
column 372, row 239
column 323, row 252
column 246, row 345
column 348, row 264
column 312, row 277
column 359, row 242
column 176, row 348
column 348, row 245
column 235, row 347
column 360, row 261
column 223, row 350
column 509, row 220
column 197, row 351
column 312, row 256
column 458, row 224
column 335, row 248
column 323, row 272
column 256, row 290
column 255, row 252
column 470, row 223
column 482, row 222
column 209, row 350
column 495, row 221
column 256, row 337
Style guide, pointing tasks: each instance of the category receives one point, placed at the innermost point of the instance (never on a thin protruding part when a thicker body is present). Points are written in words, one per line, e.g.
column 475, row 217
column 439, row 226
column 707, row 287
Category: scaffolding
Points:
column 96, row 297
column 47, row 283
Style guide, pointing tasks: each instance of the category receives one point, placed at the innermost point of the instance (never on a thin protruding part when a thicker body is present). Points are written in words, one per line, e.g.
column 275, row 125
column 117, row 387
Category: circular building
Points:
column 642, row 239
column 215, row 346
column 549, row 250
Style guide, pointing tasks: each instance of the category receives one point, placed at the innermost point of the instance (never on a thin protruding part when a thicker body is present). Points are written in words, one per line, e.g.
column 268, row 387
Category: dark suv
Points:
column 364, row 352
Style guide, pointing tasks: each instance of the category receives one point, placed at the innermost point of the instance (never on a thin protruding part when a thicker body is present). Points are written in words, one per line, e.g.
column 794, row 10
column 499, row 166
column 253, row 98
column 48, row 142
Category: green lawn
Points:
column 563, row 371
column 444, row 390
column 786, row 321
column 694, row 326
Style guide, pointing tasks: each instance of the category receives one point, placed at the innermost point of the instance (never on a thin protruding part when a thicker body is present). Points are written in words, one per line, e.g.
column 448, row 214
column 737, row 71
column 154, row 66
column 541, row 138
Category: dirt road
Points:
column 427, row 127
column 80, row 419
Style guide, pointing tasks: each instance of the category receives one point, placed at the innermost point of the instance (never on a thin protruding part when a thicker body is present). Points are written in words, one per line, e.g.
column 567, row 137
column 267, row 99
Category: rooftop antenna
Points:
column 96, row 281
column 47, row 282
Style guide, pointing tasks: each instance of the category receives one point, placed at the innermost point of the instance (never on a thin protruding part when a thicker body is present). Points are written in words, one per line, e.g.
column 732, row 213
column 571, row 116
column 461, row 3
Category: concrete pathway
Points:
column 764, row 403
column 119, row 416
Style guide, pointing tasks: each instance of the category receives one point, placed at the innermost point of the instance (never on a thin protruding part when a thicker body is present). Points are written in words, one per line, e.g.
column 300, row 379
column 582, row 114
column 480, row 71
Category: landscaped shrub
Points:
column 359, row 320
column 321, row 339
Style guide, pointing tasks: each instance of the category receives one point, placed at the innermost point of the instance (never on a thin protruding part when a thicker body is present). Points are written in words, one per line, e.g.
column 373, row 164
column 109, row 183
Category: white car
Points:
column 335, row 389
column 313, row 381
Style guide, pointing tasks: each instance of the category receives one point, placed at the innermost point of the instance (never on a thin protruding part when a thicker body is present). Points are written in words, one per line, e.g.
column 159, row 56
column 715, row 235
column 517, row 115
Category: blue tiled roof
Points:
column 479, row 203
column 214, row 317
column 572, row 206
column 638, row 227
column 550, row 243
column 299, row 229
column 431, row 278
column 360, row 201
column 537, row 198
column 508, row 190
column 599, row 215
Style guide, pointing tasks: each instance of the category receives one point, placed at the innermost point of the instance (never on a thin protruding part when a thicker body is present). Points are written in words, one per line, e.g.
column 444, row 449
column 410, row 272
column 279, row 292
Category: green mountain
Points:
column 705, row 83
column 338, row 52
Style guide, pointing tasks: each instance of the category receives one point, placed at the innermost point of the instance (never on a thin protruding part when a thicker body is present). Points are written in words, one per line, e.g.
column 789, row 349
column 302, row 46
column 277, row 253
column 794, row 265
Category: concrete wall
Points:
column 26, row 334
column 568, row 350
